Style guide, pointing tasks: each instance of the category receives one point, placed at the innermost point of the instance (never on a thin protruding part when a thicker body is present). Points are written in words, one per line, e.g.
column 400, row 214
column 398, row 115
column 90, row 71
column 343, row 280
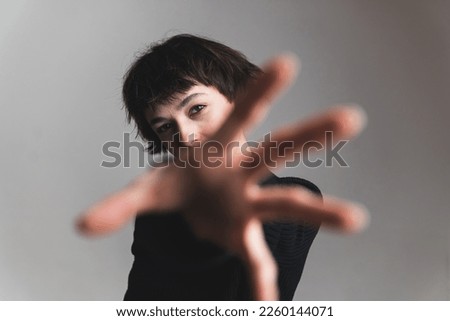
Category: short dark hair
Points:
column 172, row 67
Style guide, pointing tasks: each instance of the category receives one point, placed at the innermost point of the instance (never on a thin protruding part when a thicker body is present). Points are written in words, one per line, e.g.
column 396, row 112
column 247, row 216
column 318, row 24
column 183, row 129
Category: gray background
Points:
column 61, row 67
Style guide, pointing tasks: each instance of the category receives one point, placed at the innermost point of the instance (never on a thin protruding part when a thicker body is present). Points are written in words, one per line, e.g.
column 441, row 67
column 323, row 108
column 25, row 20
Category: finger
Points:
column 261, row 265
column 342, row 122
column 298, row 204
column 143, row 194
column 252, row 104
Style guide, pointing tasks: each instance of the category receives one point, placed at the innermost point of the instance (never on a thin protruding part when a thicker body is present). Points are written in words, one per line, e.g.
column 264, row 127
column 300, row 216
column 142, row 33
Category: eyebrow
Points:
column 186, row 100
column 156, row 120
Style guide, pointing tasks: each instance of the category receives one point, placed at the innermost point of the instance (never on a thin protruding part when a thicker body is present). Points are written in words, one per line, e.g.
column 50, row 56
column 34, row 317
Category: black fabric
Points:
column 170, row 263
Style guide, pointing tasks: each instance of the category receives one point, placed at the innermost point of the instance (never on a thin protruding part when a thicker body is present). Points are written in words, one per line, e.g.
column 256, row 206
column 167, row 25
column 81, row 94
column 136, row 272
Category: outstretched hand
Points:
column 225, row 204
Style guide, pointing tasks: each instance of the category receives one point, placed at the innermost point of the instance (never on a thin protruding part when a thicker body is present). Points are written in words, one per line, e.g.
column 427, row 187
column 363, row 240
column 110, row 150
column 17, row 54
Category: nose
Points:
column 189, row 134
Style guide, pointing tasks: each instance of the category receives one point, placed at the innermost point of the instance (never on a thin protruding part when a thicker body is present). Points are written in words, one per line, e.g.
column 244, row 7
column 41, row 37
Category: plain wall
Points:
column 60, row 95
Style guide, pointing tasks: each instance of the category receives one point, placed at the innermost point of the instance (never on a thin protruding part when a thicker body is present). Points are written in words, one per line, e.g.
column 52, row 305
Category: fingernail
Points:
column 358, row 218
column 290, row 65
column 81, row 226
column 355, row 118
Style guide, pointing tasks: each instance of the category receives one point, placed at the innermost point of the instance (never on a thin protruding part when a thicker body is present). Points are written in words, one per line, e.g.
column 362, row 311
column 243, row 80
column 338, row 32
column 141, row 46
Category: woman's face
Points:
column 196, row 115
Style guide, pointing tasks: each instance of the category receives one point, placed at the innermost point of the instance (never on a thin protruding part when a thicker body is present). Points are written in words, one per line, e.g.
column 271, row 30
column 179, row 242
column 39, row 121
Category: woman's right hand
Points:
column 225, row 204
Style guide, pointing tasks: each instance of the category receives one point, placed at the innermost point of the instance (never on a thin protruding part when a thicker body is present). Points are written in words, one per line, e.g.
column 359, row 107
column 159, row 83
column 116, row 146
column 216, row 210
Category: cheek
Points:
column 219, row 118
column 225, row 112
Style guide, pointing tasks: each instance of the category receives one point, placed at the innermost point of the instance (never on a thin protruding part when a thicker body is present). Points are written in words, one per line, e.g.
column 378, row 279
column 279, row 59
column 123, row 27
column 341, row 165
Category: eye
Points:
column 163, row 128
column 196, row 109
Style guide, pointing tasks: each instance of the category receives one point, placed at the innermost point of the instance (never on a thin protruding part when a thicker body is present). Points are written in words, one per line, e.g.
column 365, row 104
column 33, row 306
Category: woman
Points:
column 203, row 236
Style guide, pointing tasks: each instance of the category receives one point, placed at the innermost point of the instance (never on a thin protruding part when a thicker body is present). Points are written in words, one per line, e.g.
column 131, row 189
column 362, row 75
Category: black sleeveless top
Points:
column 171, row 263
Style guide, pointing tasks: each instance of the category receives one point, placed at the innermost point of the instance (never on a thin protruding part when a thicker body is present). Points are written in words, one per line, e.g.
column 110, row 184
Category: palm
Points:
column 225, row 204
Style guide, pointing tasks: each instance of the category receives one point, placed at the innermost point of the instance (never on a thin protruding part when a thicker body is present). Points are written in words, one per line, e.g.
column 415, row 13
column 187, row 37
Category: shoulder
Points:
column 291, row 180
